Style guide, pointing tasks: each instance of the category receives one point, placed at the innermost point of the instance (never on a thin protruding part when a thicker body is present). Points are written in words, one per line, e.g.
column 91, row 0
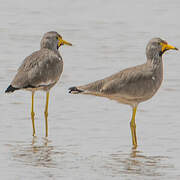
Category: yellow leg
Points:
column 46, row 113
column 133, row 128
column 32, row 113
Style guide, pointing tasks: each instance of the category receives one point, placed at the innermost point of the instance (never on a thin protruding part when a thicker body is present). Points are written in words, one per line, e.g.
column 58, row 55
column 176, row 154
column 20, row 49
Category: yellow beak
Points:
column 62, row 42
column 167, row 47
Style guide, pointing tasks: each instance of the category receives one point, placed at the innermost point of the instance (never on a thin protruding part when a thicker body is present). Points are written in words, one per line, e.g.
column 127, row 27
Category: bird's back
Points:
column 130, row 85
column 41, row 69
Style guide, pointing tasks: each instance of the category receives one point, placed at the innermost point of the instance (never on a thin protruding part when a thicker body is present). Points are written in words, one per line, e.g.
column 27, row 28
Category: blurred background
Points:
column 89, row 137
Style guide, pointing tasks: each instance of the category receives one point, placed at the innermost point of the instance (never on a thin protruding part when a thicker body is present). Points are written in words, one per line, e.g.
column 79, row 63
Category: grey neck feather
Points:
column 154, row 58
column 48, row 45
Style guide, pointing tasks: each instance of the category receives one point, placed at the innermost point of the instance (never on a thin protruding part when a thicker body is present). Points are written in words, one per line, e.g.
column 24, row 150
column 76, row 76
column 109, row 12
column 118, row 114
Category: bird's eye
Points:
column 56, row 37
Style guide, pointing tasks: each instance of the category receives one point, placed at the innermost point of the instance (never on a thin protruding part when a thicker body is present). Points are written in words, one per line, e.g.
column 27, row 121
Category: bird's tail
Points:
column 75, row 90
column 11, row 89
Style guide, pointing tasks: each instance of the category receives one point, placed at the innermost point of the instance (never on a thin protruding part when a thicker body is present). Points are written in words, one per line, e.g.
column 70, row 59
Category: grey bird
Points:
column 40, row 71
column 132, row 85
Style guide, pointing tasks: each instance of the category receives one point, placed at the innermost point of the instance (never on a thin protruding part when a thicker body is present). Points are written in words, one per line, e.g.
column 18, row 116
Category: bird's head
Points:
column 157, row 47
column 52, row 40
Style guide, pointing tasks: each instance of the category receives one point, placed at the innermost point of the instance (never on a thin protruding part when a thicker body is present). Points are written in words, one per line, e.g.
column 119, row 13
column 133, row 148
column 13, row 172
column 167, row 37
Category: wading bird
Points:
column 40, row 71
column 132, row 85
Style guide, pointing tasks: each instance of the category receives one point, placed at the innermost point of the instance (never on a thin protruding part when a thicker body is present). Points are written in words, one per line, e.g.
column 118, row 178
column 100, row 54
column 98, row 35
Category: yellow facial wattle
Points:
column 62, row 42
column 167, row 47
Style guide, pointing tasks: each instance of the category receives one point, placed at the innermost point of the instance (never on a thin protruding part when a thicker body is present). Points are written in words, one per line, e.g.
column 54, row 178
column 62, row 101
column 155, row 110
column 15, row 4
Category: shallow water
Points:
column 89, row 137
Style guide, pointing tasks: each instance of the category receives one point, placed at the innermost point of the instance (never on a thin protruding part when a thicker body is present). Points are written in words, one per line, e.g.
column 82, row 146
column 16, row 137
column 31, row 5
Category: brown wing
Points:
column 43, row 67
column 130, row 82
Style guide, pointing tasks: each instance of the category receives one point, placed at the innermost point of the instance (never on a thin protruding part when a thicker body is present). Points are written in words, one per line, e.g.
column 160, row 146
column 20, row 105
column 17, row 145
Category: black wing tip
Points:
column 10, row 89
column 74, row 90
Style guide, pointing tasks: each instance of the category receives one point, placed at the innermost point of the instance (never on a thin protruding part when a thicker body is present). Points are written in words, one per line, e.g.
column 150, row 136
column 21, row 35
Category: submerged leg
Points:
column 46, row 112
column 32, row 113
column 133, row 128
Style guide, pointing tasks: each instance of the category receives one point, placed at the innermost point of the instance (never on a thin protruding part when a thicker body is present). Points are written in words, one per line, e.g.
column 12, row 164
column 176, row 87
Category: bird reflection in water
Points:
column 50, row 159
column 136, row 163
column 35, row 153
